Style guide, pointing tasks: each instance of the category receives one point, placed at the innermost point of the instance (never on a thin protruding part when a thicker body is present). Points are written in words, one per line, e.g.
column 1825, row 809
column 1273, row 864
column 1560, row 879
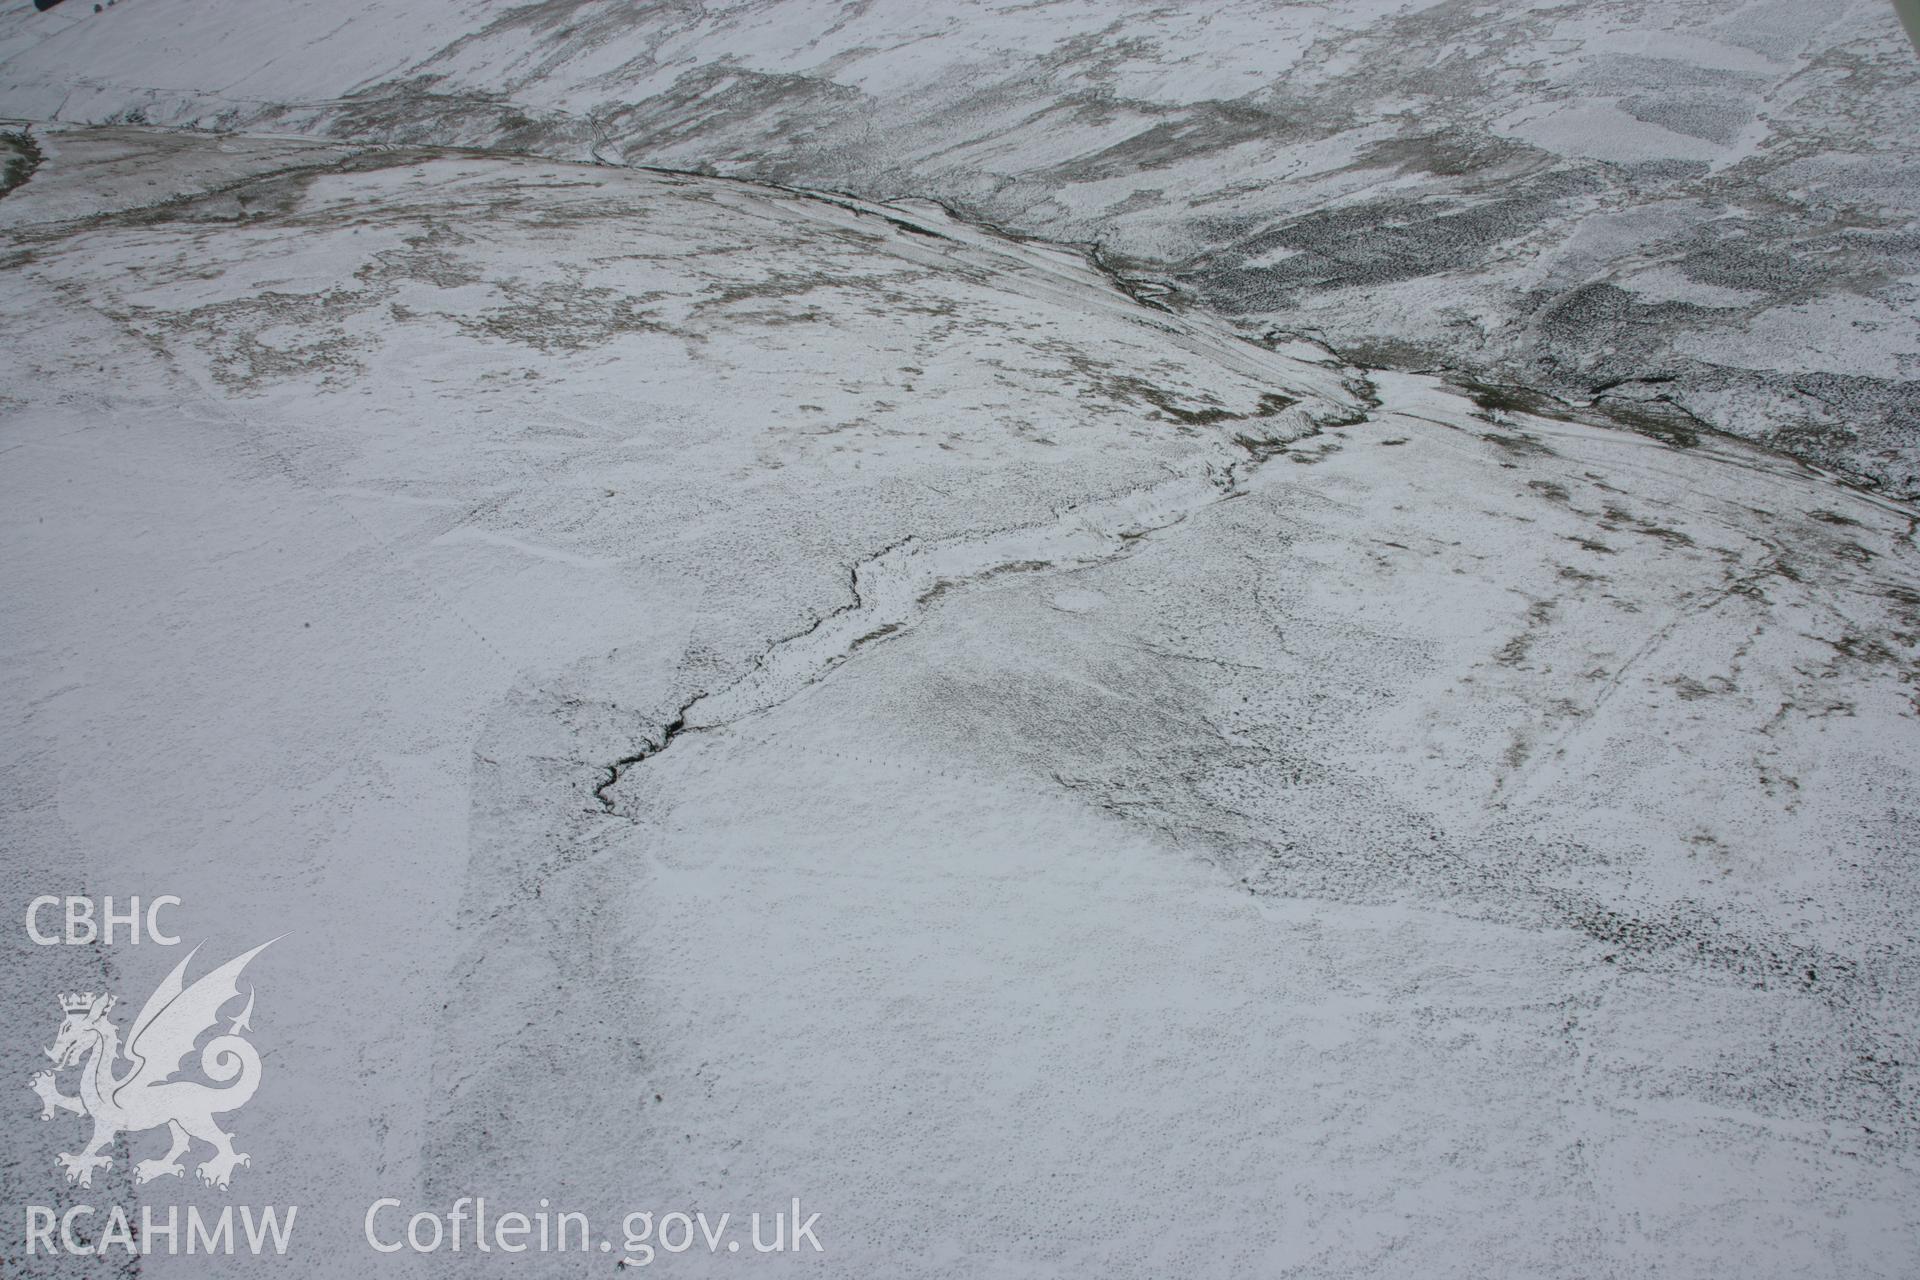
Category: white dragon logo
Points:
column 147, row 1096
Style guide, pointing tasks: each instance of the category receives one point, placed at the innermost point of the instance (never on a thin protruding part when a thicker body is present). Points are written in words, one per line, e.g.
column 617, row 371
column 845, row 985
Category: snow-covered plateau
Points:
column 927, row 612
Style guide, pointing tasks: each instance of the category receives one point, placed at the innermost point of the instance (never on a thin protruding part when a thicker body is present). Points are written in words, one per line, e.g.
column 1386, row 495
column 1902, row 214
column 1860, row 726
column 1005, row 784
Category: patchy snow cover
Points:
column 1414, row 182
column 743, row 694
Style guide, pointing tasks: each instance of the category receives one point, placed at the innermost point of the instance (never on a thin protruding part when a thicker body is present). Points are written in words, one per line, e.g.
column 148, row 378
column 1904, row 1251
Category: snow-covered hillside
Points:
column 1247, row 639
column 1700, row 210
column 741, row 694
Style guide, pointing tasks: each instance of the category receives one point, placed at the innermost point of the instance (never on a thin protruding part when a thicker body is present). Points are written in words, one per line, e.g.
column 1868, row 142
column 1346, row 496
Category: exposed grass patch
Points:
column 19, row 156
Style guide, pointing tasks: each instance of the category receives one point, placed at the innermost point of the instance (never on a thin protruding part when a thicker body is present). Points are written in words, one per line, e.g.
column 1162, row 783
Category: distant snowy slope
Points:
column 1686, row 209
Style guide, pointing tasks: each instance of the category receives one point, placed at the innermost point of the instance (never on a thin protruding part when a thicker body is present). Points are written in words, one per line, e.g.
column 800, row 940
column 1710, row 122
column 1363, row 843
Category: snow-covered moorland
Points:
column 1698, row 210
column 737, row 692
